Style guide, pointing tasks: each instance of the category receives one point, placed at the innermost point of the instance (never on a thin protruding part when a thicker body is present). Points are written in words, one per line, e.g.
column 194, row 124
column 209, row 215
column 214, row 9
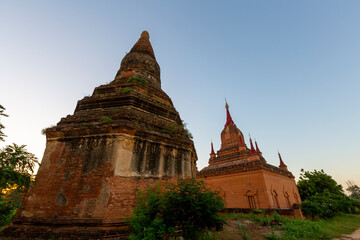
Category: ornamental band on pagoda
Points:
column 123, row 138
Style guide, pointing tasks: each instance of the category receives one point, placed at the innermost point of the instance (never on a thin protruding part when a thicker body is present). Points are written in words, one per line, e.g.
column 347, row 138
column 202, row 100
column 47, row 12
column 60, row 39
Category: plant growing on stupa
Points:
column 127, row 89
column 106, row 119
column 186, row 208
column 138, row 80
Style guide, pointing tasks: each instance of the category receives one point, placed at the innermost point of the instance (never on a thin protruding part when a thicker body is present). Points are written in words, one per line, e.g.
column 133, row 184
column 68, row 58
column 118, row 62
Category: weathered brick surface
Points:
column 234, row 187
column 123, row 138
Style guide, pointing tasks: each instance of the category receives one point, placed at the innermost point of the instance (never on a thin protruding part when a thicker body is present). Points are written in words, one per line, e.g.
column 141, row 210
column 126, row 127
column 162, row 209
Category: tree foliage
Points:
column 187, row 209
column 16, row 173
column 322, row 196
column 311, row 183
column 16, row 167
column 353, row 189
column 327, row 205
column 2, row 135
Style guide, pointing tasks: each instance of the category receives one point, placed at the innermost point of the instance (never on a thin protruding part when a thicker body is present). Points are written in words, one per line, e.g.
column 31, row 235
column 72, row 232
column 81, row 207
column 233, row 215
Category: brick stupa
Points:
column 244, row 178
column 123, row 138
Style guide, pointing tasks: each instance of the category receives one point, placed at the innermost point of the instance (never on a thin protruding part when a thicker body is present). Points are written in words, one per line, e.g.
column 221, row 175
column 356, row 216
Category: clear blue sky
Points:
column 289, row 70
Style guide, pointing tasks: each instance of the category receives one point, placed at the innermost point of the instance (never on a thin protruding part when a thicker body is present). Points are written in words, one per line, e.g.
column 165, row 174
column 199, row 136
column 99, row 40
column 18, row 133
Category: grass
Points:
column 43, row 131
column 297, row 229
column 341, row 224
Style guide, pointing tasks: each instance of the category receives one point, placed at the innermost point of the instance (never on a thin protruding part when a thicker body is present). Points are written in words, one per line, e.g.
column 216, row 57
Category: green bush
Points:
column 327, row 205
column 311, row 209
column 356, row 204
column 186, row 209
column 312, row 183
column 9, row 203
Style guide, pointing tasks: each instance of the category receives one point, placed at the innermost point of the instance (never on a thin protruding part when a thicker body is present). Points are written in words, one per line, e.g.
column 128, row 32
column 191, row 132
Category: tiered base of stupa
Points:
column 27, row 228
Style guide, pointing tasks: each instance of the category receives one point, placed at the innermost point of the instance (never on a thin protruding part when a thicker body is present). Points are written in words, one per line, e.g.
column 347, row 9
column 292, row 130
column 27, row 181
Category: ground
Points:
column 248, row 226
column 236, row 229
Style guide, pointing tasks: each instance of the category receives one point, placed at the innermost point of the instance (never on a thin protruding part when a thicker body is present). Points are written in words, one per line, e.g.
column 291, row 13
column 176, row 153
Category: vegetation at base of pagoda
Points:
column 138, row 80
column 185, row 209
column 16, row 174
column 323, row 197
column 312, row 183
column 282, row 228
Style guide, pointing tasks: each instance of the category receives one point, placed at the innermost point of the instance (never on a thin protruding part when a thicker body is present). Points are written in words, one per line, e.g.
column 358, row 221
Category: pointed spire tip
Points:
column 145, row 35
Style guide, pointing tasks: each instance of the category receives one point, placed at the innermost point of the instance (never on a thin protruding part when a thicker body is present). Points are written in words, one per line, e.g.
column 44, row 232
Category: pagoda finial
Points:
column 257, row 148
column 145, row 35
column 212, row 154
column 252, row 149
column 282, row 164
column 143, row 45
column 140, row 62
column 212, row 148
column 229, row 120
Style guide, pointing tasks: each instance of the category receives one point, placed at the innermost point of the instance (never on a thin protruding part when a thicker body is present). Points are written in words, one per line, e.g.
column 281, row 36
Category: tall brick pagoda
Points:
column 123, row 138
column 244, row 178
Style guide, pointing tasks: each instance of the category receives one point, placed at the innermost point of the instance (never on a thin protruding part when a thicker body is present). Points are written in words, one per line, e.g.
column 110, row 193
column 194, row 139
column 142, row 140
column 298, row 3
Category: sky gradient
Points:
column 288, row 69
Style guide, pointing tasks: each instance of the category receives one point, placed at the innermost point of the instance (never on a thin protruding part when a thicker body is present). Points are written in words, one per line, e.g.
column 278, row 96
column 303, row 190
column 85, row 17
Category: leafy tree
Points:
column 2, row 135
column 327, row 205
column 353, row 189
column 186, row 208
column 311, row 183
column 16, row 169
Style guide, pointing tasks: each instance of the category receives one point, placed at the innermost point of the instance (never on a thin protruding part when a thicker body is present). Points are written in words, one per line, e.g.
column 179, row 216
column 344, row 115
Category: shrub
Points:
column 356, row 204
column 326, row 205
column 9, row 203
column 311, row 209
column 185, row 209
column 312, row 183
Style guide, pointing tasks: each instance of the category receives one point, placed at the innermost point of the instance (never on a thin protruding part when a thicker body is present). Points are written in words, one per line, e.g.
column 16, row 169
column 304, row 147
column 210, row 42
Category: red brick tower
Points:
column 244, row 178
column 124, row 137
